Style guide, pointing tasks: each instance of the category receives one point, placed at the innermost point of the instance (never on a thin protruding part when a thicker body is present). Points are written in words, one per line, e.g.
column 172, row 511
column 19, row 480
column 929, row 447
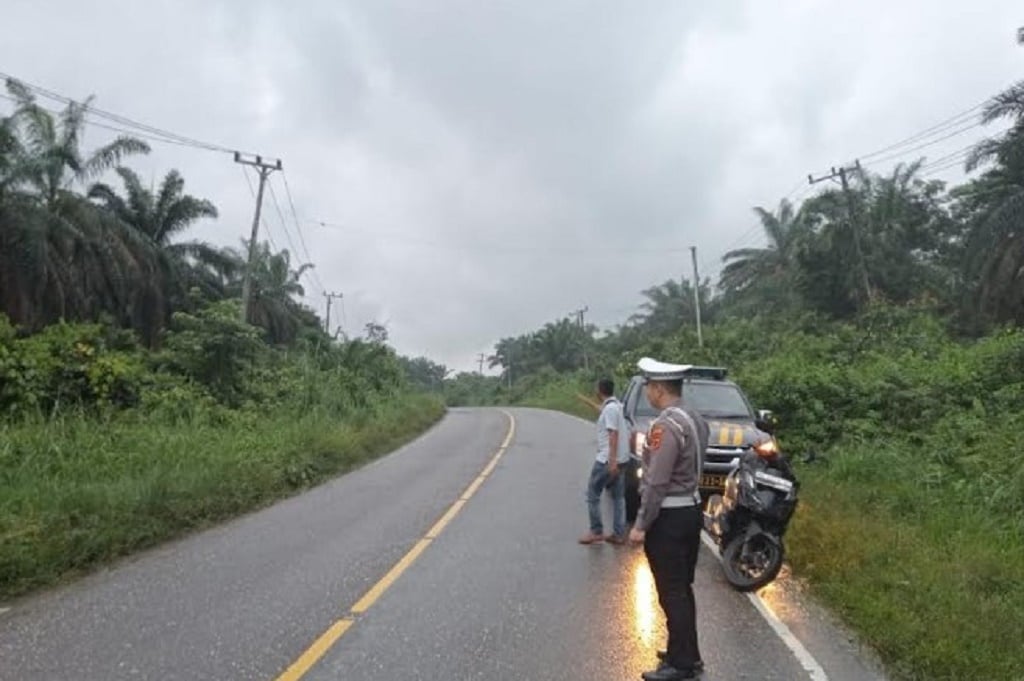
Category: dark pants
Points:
column 671, row 545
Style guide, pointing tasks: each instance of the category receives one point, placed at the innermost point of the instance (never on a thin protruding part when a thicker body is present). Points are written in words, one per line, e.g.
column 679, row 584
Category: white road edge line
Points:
column 805, row 659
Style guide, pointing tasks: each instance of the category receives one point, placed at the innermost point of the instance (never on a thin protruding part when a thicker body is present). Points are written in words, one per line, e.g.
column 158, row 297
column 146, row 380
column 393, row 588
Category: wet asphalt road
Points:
column 503, row 592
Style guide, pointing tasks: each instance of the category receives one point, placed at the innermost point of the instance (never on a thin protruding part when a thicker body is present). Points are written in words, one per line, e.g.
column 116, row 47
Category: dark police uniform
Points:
column 670, row 515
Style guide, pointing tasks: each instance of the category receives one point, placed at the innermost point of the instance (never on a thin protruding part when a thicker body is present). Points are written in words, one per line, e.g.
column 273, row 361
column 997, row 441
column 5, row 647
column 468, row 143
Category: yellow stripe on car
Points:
column 723, row 434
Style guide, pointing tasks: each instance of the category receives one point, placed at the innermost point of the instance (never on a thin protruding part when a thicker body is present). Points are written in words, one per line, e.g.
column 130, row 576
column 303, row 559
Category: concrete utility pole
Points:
column 264, row 169
column 579, row 315
column 480, row 358
column 580, row 323
column 696, row 296
column 851, row 217
column 329, row 297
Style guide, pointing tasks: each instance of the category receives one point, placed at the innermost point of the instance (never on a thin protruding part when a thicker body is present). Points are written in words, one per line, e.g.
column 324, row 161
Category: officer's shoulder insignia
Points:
column 657, row 432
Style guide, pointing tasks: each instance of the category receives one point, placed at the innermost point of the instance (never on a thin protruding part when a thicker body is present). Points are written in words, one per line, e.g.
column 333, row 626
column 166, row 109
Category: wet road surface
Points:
column 498, row 590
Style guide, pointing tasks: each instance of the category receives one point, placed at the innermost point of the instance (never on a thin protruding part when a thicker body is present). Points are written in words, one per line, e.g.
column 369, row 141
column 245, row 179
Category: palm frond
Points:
column 110, row 200
column 983, row 152
column 1007, row 104
column 109, row 155
column 746, row 254
column 180, row 215
column 170, row 191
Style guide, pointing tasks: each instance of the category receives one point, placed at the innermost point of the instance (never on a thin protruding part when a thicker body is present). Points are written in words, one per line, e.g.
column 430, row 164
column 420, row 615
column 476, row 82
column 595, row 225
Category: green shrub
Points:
column 68, row 366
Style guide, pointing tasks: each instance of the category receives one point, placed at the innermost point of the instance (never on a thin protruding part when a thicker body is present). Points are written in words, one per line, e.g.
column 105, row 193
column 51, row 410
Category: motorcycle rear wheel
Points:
column 760, row 567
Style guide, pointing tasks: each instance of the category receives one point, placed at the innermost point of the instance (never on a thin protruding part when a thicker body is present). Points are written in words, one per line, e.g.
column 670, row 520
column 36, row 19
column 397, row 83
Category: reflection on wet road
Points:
column 645, row 602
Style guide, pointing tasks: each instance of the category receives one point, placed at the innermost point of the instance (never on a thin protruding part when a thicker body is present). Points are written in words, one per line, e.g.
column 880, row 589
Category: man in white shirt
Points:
column 606, row 473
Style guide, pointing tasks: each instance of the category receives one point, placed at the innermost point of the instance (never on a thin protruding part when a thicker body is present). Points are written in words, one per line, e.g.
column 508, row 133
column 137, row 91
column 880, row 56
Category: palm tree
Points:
column 670, row 305
column 904, row 232
column 161, row 216
column 274, row 286
column 995, row 247
column 560, row 345
column 53, row 161
column 770, row 272
column 61, row 257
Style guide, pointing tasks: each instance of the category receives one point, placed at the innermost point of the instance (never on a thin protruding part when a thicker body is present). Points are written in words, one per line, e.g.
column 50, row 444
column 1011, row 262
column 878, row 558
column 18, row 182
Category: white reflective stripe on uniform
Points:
column 696, row 433
column 679, row 502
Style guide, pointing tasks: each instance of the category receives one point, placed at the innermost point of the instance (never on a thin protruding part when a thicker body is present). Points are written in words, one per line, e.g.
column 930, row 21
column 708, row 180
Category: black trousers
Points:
column 671, row 545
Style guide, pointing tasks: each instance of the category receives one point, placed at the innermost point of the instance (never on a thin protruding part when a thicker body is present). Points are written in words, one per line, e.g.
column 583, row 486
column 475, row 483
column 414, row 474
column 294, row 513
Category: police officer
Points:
column 669, row 521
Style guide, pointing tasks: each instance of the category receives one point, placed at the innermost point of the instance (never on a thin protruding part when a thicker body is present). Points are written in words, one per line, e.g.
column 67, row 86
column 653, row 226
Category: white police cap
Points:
column 654, row 370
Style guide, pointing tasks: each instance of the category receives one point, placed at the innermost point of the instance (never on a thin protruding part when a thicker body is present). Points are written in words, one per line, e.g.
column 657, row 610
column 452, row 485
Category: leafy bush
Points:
column 214, row 348
column 68, row 366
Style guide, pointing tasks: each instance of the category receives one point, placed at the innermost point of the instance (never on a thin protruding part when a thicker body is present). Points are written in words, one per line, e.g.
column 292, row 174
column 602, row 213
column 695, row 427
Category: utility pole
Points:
column 264, row 170
column 696, row 296
column 480, row 359
column 580, row 323
column 841, row 173
column 579, row 315
column 329, row 297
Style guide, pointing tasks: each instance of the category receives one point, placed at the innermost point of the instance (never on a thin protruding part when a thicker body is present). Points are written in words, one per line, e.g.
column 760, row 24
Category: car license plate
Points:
column 712, row 481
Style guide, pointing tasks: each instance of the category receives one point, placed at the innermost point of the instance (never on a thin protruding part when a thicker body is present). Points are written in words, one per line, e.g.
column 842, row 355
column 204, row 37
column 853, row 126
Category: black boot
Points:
column 667, row 672
column 697, row 666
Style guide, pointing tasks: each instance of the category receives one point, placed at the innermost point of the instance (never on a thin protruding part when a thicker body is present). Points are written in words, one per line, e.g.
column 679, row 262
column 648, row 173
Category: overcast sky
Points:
column 486, row 167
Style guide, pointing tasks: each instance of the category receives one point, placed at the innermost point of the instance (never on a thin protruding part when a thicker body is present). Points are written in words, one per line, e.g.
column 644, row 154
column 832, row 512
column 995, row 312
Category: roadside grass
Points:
column 562, row 396
column 931, row 582
column 76, row 492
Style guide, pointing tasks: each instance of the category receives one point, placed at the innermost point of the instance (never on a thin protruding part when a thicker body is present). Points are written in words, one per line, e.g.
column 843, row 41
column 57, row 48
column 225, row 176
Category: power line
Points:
column 156, row 134
column 949, row 166
column 961, row 154
column 288, row 236
column 956, row 156
column 901, row 154
column 794, row 190
column 96, row 124
column 298, row 226
column 927, row 132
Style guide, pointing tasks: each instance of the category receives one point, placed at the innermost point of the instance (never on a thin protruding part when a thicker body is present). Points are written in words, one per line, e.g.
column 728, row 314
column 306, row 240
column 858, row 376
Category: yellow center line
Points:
column 445, row 519
column 320, row 647
column 315, row 651
column 375, row 592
